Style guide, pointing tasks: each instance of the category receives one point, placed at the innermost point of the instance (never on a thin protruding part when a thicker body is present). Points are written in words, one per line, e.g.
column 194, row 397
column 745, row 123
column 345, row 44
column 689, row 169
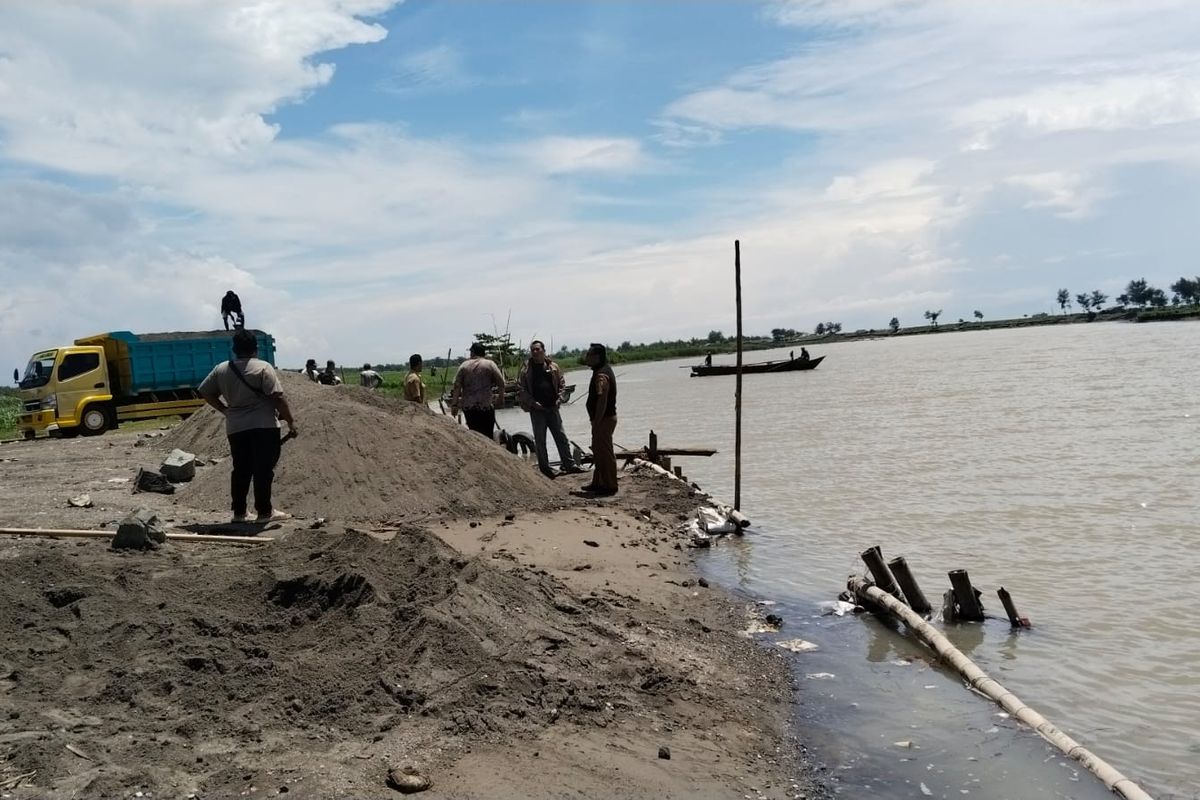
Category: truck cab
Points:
column 66, row 390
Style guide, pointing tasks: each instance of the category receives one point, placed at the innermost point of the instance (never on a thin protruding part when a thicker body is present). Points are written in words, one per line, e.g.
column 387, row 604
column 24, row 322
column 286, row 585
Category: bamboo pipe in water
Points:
column 979, row 680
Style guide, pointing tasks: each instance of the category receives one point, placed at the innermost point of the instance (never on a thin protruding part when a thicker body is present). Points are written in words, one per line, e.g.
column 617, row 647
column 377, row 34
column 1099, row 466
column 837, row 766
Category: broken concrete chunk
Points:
column 407, row 780
column 139, row 531
column 150, row 481
column 82, row 501
column 179, row 466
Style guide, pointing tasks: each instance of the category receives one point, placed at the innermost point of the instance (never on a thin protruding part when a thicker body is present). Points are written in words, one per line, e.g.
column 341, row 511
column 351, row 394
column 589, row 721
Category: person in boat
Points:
column 414, row 388
column 708, row 359
column 540, row 391
column 310, row 370
column 804, row 357
column 477, row 384
column 602, row 410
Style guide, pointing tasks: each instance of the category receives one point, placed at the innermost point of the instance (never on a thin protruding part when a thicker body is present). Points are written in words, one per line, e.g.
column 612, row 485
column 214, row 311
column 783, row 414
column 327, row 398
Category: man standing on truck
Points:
column 247, row 391
column 231, row 307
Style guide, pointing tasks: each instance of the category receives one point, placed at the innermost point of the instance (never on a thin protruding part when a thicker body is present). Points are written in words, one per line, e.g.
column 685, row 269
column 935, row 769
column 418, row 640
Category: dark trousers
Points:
column 550, row 419
column 604, row 462
column 481, row 420
column 255, row 453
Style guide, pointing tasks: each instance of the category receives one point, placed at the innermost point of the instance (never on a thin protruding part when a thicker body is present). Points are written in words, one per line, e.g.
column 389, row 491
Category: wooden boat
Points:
column 701, row 371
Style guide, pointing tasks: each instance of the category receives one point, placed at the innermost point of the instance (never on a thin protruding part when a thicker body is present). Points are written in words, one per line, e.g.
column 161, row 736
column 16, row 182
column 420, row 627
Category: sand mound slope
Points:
column 363, row 456
column 209, row 670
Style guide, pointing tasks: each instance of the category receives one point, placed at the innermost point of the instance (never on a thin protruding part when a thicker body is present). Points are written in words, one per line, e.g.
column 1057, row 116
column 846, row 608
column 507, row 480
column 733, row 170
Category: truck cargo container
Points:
column 101, row 381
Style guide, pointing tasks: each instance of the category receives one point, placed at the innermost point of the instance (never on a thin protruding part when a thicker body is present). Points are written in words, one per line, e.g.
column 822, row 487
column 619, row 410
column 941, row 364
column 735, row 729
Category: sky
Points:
column 376, row 178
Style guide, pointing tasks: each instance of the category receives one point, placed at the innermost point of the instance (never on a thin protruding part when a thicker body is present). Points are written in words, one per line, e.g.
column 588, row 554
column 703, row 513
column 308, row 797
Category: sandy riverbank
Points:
column 465, row 617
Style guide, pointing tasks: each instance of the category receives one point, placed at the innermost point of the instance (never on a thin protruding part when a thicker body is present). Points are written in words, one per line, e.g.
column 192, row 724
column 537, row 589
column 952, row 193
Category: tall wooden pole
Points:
column 737, row 396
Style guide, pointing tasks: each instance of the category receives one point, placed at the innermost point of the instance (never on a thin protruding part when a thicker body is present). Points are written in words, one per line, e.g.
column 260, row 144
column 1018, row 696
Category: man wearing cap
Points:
column 602, row 411
column 474, row 383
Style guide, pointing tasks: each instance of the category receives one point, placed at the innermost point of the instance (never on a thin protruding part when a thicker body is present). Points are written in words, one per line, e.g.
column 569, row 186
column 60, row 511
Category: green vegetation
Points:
column 10, row 408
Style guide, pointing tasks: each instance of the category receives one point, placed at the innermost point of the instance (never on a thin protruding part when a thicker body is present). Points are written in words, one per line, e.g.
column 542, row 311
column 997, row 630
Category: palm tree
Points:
column 894, row 324
column 1064, row 299
column 979, row 315
column 1098, row 299
column 932, row 317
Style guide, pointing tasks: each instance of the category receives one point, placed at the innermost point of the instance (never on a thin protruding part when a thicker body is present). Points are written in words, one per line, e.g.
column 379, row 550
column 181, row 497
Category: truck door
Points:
column 81, row 376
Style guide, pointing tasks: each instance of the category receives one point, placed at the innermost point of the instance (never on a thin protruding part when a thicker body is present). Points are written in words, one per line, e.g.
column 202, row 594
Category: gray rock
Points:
column 664, row 753
column 179, row 466
column 139, row 531
column 82, row 501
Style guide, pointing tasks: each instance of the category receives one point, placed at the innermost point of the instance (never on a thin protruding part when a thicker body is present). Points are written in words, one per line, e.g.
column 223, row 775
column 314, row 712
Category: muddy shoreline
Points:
column 517, row 644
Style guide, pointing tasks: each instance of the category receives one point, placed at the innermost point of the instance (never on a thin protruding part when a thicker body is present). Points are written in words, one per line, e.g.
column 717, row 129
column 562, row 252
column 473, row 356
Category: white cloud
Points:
column 1068, row 194
column 114, row 87
column 565, row 154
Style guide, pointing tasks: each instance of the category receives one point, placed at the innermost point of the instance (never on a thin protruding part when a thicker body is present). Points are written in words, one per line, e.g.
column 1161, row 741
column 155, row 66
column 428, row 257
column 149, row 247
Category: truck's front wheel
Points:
column 94, row 421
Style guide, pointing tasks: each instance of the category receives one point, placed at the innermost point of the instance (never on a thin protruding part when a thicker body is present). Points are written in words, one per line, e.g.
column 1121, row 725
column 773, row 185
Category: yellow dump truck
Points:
column 103, row 380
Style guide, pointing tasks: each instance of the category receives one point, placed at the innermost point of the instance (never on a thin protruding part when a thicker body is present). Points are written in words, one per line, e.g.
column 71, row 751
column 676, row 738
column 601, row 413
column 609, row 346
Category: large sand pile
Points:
column 363, row 456
column 162, row 669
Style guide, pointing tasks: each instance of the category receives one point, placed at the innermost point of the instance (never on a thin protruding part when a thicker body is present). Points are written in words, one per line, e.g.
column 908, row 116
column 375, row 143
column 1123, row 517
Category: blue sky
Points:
column 377, row 178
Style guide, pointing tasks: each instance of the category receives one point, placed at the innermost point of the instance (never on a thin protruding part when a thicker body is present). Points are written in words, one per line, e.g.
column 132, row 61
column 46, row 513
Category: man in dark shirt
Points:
column 540, row 389
column 602, row 410
column 231, row 308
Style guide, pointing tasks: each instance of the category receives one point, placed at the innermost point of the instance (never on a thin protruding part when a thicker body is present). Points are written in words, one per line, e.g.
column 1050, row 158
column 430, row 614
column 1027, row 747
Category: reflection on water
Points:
column 1058, row 462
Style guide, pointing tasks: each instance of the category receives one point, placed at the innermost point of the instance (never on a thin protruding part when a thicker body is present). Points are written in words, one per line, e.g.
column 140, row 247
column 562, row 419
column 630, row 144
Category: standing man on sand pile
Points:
column 414, row 388
column 369, row 378
column 247, row 391
column 310, row 370
column 474, row 383
column 327, row 376
column 540, row 388
column 602, row 411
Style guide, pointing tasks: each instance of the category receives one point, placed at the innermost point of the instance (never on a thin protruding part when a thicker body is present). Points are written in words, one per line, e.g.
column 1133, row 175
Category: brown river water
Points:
column 1060, row 462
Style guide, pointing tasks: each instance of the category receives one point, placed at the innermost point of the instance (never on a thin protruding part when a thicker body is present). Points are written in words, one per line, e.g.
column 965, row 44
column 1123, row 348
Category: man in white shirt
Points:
column 369, row 378
column 247, row 391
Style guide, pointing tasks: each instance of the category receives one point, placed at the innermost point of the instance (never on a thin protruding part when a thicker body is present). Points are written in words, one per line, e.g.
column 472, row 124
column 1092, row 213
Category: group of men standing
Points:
column 247, row 392
column 541, row 392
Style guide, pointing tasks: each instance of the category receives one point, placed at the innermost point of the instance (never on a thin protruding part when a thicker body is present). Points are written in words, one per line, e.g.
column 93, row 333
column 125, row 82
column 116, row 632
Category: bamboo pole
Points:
column 908, row 585
column 969, row 607
column 1010, row 608
column 873, row 558
column 67, row 533
column 981, row 682
column 737, row 396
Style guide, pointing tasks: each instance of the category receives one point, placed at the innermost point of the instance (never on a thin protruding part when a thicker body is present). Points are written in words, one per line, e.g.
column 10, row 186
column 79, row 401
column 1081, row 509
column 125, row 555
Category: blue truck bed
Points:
column 150, row 362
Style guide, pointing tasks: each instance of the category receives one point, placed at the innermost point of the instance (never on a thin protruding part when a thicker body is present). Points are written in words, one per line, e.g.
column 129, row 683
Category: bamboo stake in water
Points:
column 737, row 395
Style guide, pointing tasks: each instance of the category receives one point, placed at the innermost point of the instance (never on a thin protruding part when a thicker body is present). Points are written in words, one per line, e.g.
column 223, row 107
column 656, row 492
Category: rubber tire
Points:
column 94, row 421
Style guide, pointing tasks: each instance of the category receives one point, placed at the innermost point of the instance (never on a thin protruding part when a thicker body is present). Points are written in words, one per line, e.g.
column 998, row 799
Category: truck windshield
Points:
column 38, row 372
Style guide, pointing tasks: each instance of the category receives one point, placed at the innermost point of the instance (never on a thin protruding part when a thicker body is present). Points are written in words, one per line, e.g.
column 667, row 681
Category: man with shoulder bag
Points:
column 247, row 392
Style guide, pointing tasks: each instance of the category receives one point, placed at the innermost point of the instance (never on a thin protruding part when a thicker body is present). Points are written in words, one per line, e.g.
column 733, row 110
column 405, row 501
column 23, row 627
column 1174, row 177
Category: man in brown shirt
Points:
column 414, row 388
column 602, row 410
column 247, row 391
column 476, row 384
